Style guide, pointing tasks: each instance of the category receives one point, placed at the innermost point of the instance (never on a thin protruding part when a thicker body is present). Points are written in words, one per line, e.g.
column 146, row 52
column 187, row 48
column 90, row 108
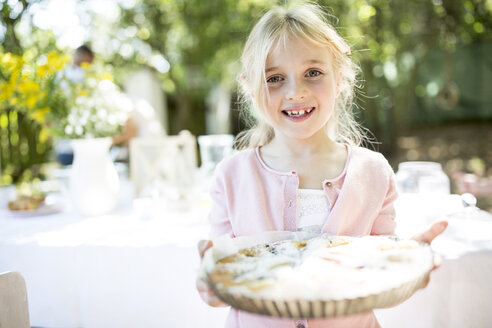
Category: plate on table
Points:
column 322, row 277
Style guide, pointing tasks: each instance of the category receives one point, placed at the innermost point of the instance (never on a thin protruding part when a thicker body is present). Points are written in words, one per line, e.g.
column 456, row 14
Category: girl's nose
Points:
column 295, row 91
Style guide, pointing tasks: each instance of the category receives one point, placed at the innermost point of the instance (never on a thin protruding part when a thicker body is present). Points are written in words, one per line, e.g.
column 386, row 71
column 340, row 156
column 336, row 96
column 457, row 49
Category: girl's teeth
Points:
column 299, row 113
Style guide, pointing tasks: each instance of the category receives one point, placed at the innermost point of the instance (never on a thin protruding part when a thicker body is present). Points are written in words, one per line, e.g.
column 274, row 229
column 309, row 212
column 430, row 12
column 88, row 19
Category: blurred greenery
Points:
column 454, row 86
column 393, row 41
column 202, row 40
column 423, row 61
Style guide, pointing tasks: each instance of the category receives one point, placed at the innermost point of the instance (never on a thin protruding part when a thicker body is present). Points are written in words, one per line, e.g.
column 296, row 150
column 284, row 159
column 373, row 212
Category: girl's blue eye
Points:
column 274, row 79
column 313, row 73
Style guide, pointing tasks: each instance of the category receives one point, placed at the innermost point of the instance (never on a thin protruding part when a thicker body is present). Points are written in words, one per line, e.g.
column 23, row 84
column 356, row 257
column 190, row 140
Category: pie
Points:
column 26, row 203
column 324, row 268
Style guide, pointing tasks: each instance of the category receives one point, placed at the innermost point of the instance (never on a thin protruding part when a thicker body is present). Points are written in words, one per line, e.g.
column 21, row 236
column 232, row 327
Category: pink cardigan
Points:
column 249, row 197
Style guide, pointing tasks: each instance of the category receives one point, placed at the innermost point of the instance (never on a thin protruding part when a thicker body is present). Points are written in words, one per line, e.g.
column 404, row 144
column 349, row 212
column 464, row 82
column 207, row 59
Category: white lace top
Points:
column 312, row 209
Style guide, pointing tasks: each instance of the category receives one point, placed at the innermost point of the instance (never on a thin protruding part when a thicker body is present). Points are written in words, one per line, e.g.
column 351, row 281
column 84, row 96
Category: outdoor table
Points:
column 121, row 270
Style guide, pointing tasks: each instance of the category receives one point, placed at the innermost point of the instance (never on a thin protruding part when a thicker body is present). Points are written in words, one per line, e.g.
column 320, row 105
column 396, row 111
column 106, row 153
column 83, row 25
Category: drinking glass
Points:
column 214, row 148
column 422, row 177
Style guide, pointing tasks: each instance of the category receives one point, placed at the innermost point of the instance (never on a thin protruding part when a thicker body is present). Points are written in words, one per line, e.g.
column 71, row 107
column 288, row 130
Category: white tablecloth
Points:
column 458, row 294
column 111, row 271
column 123, row 271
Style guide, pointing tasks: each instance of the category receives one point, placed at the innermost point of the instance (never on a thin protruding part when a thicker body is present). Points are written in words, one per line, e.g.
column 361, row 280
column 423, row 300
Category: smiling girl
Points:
column 301, row 166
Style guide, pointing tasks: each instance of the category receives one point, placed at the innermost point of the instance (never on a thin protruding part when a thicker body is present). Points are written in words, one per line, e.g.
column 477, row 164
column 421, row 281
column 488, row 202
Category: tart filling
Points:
column 322, row 268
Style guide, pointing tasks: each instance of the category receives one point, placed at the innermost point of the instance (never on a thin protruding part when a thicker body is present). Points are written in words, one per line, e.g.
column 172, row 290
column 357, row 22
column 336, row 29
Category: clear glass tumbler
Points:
column 422, row 177
column 213, row 148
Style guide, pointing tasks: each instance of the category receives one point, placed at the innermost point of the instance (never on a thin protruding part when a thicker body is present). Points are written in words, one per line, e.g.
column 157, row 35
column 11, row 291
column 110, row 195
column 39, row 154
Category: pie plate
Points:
column 325, row 306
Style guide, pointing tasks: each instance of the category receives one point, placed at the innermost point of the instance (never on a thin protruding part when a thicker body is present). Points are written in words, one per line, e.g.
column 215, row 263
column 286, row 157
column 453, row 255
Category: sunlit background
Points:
column 425, row 89
column 111, row 240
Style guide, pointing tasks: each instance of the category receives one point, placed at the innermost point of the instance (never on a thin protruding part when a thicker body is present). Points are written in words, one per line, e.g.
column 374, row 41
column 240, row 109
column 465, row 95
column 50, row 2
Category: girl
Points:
column 301, row 167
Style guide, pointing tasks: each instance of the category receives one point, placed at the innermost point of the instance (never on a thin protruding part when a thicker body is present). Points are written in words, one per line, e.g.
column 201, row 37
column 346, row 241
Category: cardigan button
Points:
column 329, row 184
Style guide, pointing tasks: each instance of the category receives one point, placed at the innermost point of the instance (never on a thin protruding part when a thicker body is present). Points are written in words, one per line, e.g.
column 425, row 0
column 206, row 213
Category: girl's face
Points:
column 302, row 88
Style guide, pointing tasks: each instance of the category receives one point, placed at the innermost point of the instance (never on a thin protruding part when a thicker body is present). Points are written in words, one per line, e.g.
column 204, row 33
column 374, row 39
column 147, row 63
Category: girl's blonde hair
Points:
column 307, row 21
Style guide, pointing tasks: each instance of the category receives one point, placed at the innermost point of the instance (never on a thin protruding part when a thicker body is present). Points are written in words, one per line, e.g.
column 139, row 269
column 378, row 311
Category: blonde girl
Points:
column 307, row 22
column 301, row 167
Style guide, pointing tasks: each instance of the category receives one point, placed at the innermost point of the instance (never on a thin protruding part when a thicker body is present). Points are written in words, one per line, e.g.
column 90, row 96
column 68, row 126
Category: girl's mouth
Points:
column 298, row 114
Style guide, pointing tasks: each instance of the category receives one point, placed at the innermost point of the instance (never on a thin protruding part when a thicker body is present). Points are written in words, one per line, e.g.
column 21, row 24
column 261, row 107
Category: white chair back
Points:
column 171, row 160
column 14, row 310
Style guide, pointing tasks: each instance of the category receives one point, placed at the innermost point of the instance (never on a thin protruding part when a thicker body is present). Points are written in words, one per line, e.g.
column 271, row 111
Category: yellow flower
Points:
column 13, row 78
column 26, row 75
column 13, row 101
column 5, row 91
column 11, row 62
column 30, row 92
column 85, row 65
column 43, row 134
column 83, row 93
column 106, row 76
column 61, row 62
column 42, row 70
column 28, row 87
column 31, row 100
column 52, row 56
column 39, row 115
column 54, row 62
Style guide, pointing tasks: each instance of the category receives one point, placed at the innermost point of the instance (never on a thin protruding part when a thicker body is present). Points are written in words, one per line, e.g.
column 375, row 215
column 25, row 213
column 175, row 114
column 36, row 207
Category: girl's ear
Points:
column 338, row 79
column 242, row 78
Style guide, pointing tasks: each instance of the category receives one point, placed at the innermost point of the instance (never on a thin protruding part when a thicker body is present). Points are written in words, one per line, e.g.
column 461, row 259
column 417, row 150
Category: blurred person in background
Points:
column 142, row 123
column 83, row 56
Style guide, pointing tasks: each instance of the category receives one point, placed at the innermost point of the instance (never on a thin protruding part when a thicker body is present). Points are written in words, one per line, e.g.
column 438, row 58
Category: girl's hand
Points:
column 435, row 230
column 428, row 236
column 205, row 292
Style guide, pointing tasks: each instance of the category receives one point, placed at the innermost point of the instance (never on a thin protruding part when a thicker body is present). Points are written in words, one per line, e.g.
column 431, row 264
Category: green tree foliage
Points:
column 202, row 40
column 391, row 40
column 21, row 151
column 10, row 16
